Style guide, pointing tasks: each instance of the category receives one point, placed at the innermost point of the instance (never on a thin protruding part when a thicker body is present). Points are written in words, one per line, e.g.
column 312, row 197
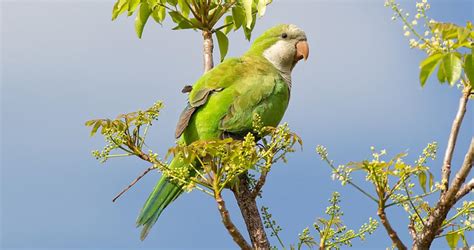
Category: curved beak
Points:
column 302, row 50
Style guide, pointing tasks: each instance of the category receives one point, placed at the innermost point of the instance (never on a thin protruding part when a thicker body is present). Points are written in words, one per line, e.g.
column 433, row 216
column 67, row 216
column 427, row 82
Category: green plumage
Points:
column 224, row 101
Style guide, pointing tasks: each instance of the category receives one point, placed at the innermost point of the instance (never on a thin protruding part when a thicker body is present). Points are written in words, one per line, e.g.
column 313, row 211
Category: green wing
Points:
column 225, row 98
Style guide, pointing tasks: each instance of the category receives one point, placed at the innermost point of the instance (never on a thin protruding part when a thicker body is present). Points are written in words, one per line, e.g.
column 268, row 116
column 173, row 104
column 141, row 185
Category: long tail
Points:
column 163, row 194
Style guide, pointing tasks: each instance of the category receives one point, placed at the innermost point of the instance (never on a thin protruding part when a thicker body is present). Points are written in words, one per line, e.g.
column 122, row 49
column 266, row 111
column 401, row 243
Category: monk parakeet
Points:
column 223, row 101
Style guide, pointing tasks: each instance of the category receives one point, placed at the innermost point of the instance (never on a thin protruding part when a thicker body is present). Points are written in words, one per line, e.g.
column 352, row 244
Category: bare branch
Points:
column 446, row 169
column 208, row 47
column 133, row 182
column 391, row 232
column 229, row 225
column 446, row 201
column 463, row 172
column 411, row 229
column 468, row 187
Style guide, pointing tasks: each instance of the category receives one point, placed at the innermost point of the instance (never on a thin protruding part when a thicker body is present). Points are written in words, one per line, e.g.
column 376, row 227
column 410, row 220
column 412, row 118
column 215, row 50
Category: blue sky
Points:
column 64, row 62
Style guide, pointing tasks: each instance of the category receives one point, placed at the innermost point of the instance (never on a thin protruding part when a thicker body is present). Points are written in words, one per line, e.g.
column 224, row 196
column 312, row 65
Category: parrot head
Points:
column 283, row 45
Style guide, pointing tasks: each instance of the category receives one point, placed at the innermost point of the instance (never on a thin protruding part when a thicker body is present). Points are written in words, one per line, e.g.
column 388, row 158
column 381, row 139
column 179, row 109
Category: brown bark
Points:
column 251, row 215
column 446, row 202
column 446, row 169
column 229, row 225
column 390, row 231
column 207, row 50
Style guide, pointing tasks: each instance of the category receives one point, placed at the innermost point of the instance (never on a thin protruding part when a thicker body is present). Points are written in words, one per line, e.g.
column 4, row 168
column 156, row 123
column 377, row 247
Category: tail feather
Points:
column 162, row 195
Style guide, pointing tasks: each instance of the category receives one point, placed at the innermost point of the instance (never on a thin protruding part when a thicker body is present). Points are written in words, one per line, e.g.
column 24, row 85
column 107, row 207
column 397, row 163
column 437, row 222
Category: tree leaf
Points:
column 261, row 7
column 427, row 67
column 184, row 8
column 239, row 16
column 248, row 31
column 132, row 6
column 441, row 75
column 422, row 180
column 119, row 7
column 176, row 16
column 184, row 24
column 96, row 127
column 172, row 2
column 159, row 14
column 452, row 66
column 248, row 12
column 141, row 19
column 452, row 238
column 469, row 67
column 223, row 42
column 431, row 181
column 227, row 21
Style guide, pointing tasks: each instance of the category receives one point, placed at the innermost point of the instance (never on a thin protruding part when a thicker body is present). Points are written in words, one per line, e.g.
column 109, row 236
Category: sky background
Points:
column 64, row 62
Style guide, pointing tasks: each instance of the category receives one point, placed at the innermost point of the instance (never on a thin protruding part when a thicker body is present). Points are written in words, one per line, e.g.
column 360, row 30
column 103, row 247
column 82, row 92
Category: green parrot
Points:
column 223, row 101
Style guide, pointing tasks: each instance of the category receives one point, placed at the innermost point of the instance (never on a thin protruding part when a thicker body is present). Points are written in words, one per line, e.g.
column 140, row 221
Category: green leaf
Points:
column 159, row 14
column 452, row 66
column 248, row 31
column 141, row 19
column 185, row 24
column 422, row 180
column 176, row 16
column 248, row 12
column 119, row 7
column 452, row 238
column 184, row 7
column 431, row 181
column 227, row 21
column 152, row 3
column 239, row 16
column 223, row 42
column 96, row 127
column 132, row 6
column 427, row 67
column 469, row 67
column 172, row 2
column 261, row 7
column 441, row 75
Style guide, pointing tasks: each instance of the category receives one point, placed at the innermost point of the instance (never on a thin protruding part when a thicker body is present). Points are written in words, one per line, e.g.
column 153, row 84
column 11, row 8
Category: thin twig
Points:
column 133, row 182
column 260, row 182
column 352, row 183
column 410, row 200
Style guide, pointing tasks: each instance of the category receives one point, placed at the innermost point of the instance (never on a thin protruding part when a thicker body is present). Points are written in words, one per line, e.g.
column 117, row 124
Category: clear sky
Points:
column 64, row 62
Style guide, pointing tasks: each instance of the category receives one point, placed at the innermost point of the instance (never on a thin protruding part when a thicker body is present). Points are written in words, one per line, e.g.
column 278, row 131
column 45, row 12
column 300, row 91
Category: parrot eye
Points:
column 284, row 35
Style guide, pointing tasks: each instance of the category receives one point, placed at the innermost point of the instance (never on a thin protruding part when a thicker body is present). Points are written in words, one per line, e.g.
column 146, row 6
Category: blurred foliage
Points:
column 204, row 15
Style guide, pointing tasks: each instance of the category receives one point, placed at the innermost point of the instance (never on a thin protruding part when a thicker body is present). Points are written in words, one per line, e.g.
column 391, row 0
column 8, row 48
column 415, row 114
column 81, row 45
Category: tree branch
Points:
column 133, row 182
column 446, row 169
column 250, row 213
column 260, row 183
column 446, row 202
column 208, row 47
column 468, row 187
column 391, row 232
column 229, row 225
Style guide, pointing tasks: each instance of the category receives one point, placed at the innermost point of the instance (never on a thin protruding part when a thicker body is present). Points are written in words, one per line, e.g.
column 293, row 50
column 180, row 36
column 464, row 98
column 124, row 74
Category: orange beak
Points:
column 302, row 50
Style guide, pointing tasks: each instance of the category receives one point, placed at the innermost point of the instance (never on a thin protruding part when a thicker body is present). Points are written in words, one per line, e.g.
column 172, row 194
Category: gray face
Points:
column 283, row 54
